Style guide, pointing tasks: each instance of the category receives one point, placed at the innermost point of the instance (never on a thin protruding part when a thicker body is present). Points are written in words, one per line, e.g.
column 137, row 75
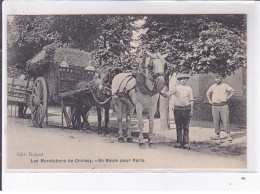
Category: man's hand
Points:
column 211, row 102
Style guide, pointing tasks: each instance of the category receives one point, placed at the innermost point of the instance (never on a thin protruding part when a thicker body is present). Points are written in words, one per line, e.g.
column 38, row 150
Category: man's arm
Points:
column 191, row 108
column 169, row 93
column 208, row 94
column 231, row 92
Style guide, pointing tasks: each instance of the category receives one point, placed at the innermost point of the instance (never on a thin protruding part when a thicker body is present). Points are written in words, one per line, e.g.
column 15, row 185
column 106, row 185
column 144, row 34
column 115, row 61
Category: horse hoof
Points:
column 142, row 145
column 121, row 140
column 152, row 145
column 130, row 140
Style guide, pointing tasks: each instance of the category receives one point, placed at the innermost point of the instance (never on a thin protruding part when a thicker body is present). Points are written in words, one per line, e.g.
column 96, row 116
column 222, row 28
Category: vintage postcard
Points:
column 126, row 90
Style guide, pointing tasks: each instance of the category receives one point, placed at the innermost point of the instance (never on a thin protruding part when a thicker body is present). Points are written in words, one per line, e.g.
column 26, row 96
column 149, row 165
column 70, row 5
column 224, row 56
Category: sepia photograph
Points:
column 127, row 91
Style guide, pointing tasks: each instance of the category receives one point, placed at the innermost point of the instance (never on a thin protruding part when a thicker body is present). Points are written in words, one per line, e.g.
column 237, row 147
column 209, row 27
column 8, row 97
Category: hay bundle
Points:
column 51, row 56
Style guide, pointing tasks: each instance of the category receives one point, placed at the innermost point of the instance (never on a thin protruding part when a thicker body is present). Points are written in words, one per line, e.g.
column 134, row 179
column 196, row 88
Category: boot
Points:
column 186, row 140
column 179, row 139
column 215, row 137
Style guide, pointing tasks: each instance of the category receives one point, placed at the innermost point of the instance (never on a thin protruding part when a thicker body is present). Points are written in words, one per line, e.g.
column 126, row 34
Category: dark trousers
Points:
column 182, row 121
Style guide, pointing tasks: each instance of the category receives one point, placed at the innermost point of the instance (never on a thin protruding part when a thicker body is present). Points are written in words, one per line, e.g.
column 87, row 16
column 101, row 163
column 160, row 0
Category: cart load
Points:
column 57, row 71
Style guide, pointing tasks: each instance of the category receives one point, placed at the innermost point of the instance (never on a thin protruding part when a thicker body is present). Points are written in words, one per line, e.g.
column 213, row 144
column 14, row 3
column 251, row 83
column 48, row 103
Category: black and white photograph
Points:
column 154, row 91
column 136, row 90
column 126, row 95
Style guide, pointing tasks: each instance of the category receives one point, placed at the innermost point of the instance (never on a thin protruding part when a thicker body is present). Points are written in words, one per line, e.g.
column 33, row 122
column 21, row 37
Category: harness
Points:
column 141, row 79
column 100, row 102
column 141, row 84
column 91, row 86
column 124, row 89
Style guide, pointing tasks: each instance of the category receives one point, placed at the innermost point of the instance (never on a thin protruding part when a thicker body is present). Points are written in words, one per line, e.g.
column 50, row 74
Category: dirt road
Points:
column 53, row 148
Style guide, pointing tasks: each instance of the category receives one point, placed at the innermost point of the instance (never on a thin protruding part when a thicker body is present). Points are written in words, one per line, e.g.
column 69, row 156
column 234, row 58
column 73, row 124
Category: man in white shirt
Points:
column 183, row 110
column 218, row 95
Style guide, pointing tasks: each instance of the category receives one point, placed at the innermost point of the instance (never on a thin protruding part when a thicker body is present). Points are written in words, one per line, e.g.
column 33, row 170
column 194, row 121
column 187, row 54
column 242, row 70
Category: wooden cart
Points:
column 18, row 92
column 56, row 87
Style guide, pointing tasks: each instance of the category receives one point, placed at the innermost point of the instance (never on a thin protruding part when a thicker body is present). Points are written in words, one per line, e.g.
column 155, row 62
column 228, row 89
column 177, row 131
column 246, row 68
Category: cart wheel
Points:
column 38, row 102
column 73, row 117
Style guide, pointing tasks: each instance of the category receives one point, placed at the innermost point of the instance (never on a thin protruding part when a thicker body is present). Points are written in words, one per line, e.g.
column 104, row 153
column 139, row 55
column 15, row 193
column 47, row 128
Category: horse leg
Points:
column 106, row 119
column 78, row 116
column 99, row 119
column 139, row 113
column 73, row 116
column 151, row 126
column 119, row 110
column 85, row 114
column 128, row 127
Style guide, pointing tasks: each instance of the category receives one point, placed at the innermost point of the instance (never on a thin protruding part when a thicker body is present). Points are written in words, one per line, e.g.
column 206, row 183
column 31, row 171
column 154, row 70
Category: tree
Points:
column 200, row 43
column 113, row 46
column 28, row 35
column 107, row 37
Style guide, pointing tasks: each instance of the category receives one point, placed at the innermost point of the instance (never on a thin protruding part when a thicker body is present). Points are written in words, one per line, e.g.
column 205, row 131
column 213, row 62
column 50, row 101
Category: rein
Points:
column 100, row 103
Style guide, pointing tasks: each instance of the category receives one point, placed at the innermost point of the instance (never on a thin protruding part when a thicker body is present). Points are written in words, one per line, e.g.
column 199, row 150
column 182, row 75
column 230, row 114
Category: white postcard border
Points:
column 93, row 180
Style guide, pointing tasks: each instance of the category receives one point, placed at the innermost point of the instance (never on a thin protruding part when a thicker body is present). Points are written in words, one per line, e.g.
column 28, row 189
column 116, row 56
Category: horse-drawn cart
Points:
column 18, row 92
column 55, row 82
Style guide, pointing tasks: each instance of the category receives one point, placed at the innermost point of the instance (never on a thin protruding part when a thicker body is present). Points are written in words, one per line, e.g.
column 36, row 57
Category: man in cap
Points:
column 218, row 95
column 183, row 110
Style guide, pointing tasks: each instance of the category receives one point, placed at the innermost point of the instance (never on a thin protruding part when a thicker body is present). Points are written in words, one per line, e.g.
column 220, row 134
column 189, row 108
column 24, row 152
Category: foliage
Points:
column 113, row 45
column 200, row 43
column 27, row 35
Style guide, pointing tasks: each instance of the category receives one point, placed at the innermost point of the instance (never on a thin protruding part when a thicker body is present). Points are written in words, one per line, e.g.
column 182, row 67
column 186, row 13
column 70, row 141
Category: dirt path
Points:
column 54, row 148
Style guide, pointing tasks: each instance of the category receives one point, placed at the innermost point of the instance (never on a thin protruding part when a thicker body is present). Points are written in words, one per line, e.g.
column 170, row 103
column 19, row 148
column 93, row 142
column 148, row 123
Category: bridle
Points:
column 150, row 71
column 107, row 83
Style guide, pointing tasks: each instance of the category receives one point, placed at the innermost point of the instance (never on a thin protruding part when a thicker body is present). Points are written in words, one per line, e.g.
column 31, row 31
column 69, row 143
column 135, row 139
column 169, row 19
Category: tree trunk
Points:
column 164, row 111
column 172, row 83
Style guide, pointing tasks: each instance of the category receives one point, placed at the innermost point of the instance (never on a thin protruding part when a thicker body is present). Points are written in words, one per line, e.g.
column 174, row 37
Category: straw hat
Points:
column 180, row 76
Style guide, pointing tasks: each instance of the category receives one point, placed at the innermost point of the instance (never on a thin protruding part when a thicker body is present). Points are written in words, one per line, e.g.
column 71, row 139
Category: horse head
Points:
column 154, row 69
column 106, row 76
column 158, row 73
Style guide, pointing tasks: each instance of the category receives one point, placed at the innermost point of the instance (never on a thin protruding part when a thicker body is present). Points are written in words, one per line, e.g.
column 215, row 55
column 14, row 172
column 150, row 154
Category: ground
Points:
column 38, row 148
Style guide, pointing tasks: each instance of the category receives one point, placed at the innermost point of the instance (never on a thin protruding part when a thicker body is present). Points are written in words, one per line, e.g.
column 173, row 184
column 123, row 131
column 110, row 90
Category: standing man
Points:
column 183, row 110
column 218, row 95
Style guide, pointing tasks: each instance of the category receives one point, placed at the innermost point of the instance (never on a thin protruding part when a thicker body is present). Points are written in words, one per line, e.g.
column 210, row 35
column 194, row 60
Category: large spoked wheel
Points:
column 74, row 120
column 38, row 102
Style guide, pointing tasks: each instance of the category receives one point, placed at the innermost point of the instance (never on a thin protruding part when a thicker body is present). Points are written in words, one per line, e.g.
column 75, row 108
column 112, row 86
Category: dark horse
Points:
column 95, row 96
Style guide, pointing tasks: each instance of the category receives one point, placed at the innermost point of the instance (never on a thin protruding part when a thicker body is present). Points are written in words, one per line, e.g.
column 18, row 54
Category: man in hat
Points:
column 183, row 110
column 218, row 95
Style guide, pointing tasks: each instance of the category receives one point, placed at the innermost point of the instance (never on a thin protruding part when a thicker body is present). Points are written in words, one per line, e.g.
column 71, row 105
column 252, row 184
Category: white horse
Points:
column 140, row 91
